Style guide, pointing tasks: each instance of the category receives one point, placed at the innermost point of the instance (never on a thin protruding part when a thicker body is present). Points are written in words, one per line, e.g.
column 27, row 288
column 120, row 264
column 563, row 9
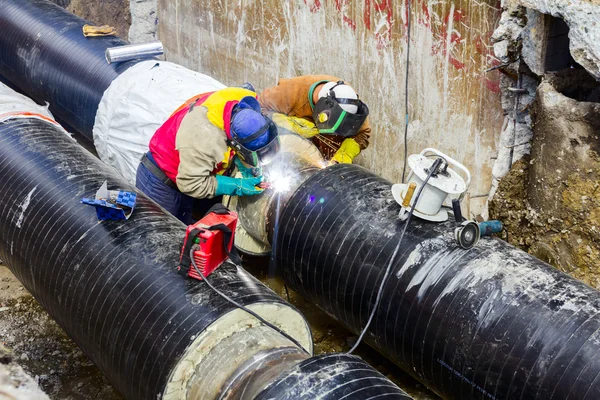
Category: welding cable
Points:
column 436, row 165
column 406, row 90
column 238, row 305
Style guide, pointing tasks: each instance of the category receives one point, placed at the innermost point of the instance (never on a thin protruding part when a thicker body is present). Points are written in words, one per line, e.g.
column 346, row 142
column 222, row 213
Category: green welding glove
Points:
column 229, row 186
column 247, row 172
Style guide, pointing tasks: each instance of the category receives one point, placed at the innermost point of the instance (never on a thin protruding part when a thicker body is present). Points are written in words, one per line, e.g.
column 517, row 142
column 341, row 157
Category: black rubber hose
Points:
column 111, row 285
column 490, row 322
column 43, row 52
column 332, row 377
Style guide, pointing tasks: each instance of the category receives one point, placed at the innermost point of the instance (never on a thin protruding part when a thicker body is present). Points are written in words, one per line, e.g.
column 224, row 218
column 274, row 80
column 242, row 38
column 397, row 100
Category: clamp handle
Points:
column 451, row 161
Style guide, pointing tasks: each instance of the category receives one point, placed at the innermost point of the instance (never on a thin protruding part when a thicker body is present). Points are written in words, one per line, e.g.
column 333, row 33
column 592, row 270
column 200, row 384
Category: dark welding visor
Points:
column 261, row 156
column 331, row 119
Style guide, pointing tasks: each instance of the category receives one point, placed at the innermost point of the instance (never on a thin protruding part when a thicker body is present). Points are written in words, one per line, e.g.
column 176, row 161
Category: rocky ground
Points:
column 15, row 383
column 33, row 341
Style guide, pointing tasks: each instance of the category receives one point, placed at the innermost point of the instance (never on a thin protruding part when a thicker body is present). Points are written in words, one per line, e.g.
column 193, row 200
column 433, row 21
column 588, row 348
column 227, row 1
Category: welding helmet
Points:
column 338, row 111
column 253, row 137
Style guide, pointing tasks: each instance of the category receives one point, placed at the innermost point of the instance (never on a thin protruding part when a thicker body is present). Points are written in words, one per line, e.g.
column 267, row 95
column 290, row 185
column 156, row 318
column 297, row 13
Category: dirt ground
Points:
column 43, row 350
column 550, row 200
column 106, row 12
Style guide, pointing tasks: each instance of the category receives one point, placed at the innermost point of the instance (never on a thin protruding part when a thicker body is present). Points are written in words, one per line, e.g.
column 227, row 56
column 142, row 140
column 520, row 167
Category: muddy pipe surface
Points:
column 492, row 322
column 111, row 285
column 43, row 52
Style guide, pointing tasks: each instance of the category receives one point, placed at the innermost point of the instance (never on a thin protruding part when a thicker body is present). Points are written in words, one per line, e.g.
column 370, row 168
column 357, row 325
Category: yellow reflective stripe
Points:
column 215, row 103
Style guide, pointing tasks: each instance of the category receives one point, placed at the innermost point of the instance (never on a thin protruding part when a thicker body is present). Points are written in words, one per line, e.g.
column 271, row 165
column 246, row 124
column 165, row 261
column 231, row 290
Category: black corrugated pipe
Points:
column 44, row 53
column 492, row 322
column 112, row 286
column 349, row 377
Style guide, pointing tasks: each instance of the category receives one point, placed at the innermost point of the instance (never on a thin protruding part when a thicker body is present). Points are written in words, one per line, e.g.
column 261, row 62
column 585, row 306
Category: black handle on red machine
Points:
column 210, row 253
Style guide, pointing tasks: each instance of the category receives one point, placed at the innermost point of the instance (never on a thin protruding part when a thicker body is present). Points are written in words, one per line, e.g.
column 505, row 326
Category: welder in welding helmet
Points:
column 339, row 111
column 321, row 108
column 253, row 137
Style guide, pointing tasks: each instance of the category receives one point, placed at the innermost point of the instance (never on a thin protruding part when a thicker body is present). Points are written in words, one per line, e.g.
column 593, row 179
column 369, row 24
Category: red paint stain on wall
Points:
column 314, row 6
column 377, row 9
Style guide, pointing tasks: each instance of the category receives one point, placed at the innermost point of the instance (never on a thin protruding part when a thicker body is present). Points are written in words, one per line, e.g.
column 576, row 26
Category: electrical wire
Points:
column 240, row 306
column 406, row 90
column 388, row 269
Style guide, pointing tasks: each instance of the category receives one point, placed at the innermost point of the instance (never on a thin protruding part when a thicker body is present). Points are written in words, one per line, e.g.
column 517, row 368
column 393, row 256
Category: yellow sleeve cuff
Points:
column 297, row 125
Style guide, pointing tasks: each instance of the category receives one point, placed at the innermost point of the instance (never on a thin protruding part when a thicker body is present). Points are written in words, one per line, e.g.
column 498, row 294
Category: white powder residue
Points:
column 23, row 206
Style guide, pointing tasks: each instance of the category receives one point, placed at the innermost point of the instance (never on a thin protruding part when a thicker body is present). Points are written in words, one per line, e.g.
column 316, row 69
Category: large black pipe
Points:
column 43, row 52
column 348, row 377
column 488, row 323
column 111, row 285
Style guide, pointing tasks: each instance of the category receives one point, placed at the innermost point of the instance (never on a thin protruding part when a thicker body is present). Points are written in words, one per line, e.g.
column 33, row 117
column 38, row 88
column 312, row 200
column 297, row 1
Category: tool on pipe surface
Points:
column 208, row 244
column 433, row 170
column 488, row 322
column 445, row 182
column 136, row 51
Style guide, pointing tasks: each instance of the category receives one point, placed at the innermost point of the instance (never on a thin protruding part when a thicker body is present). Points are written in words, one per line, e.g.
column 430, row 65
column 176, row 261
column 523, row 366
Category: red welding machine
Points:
column 212, row 240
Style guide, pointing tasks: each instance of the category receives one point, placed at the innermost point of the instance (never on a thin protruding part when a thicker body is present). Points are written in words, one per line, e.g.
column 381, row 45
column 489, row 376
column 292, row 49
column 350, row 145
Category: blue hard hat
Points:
column 247, row 121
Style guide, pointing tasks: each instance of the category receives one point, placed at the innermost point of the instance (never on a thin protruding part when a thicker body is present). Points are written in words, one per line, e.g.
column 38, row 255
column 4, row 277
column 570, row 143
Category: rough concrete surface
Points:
column 583, row 18
column 551, row 201
column 453, row 102
column 517, row 129
column 144, row 21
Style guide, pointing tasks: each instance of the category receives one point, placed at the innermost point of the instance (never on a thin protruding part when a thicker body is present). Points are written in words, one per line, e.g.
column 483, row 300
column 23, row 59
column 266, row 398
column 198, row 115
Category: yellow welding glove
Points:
column 347, row 152
column 104, row 30
column 299, row 126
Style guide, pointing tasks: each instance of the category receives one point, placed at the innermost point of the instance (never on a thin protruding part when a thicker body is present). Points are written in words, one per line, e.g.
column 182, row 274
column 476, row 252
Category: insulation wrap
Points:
column 44, row 53
column 111, row 285
column 332, row 377
column 491, row 322
column 136, row 104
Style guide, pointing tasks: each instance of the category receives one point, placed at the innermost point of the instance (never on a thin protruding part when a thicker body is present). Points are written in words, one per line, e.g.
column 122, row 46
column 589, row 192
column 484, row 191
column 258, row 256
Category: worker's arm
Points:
column 290, row 96
column 194, row 174
column 296, row 125
column 201, row 147
column 363, row 135
column 280, row 99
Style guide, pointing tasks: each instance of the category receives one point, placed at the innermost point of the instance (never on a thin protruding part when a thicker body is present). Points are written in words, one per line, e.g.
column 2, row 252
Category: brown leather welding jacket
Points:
column 290, row 97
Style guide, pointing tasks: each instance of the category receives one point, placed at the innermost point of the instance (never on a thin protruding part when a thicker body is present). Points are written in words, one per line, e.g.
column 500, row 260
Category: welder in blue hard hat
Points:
column 193, row 154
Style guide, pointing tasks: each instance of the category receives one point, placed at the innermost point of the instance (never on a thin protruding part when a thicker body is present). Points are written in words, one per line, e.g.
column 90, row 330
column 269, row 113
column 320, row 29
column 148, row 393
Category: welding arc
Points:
column 238, row 305
column 433, row 169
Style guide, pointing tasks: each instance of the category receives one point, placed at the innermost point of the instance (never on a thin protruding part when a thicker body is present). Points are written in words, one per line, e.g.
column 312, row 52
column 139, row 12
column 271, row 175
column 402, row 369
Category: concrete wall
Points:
column 454, row 104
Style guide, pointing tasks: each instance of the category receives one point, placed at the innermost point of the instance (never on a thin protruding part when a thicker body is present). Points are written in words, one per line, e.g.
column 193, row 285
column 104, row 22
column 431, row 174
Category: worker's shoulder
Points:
column 196, row 126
